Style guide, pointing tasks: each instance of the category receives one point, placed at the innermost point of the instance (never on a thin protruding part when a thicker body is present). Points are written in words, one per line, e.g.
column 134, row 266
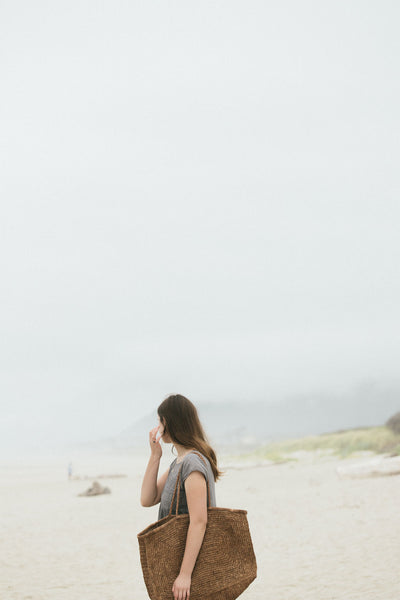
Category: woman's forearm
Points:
column 148, row 494
column 194, row 540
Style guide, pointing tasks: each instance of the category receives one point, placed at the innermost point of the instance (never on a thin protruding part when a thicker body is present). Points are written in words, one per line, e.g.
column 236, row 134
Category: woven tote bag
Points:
column 226, row 563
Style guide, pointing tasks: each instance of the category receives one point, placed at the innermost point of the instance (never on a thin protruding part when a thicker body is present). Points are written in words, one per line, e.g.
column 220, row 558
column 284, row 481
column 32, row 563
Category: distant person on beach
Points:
column 179, row 424
column 69, row 470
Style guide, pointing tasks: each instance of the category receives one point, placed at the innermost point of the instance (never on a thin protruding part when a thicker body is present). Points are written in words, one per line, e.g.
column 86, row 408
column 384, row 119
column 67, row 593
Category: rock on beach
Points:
column 96, row 490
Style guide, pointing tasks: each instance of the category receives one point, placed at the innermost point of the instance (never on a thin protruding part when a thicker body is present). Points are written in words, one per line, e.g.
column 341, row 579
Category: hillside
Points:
column 249, row 424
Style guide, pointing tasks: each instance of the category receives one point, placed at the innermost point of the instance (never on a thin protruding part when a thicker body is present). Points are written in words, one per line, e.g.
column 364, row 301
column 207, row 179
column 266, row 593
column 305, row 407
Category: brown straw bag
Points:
column 225, row 566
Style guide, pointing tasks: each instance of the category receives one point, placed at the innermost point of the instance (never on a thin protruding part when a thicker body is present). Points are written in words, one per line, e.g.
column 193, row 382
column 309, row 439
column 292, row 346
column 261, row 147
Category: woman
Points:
column 179, row 425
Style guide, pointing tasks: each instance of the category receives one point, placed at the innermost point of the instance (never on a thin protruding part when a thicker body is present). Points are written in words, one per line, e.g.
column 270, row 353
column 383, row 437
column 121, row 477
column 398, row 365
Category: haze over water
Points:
column 196, row 198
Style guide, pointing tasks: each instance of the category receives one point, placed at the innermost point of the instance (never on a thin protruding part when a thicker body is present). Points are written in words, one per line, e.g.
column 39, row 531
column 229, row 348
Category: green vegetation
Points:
column 380, row 440
column 272, row 455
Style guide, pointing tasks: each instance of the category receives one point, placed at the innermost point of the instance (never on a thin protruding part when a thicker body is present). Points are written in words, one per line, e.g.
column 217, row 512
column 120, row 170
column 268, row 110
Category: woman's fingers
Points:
column 155, row 447
column 180, row 593
column 153, row 433
column 175, row 592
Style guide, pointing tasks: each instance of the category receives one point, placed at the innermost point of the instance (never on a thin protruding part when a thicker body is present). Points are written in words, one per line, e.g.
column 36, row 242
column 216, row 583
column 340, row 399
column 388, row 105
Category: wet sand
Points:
column 316, row 536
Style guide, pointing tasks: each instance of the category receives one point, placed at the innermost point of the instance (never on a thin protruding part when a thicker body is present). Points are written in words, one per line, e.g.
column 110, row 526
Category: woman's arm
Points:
column 151, row 488
column 196, row 496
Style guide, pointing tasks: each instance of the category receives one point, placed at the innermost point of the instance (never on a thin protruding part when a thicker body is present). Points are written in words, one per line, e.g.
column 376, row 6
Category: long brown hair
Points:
column 182, row 424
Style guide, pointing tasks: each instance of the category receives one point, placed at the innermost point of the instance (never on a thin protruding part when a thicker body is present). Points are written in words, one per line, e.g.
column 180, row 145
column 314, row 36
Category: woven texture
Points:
column 225, row 566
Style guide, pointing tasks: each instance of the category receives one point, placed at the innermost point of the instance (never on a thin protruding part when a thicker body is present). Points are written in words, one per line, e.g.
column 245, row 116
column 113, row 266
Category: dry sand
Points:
column 316, row 536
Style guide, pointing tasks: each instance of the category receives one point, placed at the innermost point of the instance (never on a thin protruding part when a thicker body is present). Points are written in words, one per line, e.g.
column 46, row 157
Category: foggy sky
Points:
column 196, row 197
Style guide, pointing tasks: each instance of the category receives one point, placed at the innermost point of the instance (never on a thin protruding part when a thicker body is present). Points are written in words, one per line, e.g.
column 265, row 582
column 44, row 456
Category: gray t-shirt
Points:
column 191, row 462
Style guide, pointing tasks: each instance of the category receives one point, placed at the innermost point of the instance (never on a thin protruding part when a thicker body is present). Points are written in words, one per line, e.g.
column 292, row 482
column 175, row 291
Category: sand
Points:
column 316, row 536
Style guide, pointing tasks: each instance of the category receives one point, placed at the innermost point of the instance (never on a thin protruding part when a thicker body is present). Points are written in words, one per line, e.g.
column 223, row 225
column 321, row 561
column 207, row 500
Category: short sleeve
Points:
column 192, row 462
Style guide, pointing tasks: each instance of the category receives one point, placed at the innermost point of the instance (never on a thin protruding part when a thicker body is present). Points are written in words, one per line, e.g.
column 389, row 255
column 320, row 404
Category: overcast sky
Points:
column 196, row 197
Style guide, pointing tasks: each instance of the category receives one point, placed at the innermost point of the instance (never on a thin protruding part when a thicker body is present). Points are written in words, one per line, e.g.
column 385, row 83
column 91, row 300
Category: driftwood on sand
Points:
column 96, row 490
column 84, row 477
column 375, row 467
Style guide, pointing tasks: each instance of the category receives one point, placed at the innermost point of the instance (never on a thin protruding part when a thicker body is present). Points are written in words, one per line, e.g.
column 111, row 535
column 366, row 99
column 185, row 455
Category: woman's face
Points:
column 165, row 437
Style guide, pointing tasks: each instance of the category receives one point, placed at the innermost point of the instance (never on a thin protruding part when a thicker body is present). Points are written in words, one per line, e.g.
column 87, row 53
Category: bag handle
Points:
column 207, row 482
column 177, row 488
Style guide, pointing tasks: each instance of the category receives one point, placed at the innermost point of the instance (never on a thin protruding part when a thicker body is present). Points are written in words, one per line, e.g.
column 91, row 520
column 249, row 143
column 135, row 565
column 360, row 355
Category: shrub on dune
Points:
column 394, row 423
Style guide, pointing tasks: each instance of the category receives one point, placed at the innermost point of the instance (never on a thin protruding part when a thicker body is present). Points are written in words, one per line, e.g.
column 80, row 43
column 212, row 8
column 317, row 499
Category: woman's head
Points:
column 180, row 420
column 181, row 425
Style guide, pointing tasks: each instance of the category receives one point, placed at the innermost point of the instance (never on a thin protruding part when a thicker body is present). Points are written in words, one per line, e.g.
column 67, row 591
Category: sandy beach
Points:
column 316, row 536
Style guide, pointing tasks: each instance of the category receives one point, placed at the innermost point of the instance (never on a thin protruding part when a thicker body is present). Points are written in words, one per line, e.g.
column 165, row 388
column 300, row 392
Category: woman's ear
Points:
column 161, row 421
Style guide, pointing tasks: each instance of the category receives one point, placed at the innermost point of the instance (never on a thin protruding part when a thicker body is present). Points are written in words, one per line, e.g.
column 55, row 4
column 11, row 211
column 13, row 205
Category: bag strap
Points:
column 177, row 488
column 174, row 494
column 207, row 482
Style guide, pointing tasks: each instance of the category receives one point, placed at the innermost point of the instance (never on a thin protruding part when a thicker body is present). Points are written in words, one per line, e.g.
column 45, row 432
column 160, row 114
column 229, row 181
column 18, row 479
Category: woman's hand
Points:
column 181, row 587
column 155, row 446
column 151, row 487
